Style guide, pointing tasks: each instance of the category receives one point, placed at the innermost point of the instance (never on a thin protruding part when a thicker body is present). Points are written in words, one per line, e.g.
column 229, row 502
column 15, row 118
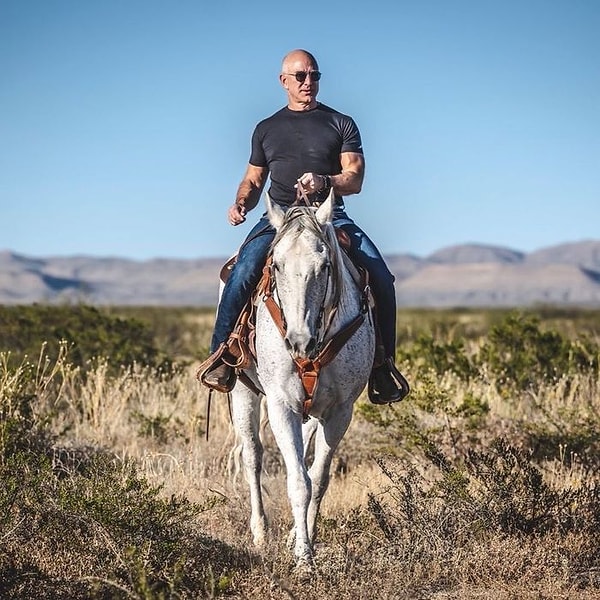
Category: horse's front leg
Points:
column 308, row 432
column 246, row 419
column 287, row 429
column 328, row 437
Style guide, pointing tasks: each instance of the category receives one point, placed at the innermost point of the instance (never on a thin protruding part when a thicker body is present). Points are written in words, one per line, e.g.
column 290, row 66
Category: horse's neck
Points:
column 351, row 284
column 352, row 273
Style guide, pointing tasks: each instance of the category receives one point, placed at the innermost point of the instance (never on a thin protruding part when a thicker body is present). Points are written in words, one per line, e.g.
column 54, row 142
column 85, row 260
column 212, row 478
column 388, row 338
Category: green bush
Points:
column 496, row 490
column 99, row 531
column 439, row 357
column 520, row 354
column 78, row 522
column 87, row 331
column 20, row 431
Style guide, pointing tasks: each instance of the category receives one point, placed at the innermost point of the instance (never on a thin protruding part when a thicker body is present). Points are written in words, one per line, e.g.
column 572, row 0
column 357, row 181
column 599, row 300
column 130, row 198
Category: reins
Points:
column 208, row 405
column 301, row 195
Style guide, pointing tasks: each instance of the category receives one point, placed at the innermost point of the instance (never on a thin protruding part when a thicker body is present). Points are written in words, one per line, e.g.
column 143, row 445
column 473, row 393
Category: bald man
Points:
column 310, row 144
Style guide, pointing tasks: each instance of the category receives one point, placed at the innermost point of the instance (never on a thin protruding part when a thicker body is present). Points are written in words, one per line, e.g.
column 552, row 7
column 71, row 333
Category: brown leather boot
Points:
column 216, row 371
column 220, row 377
column 387, row 384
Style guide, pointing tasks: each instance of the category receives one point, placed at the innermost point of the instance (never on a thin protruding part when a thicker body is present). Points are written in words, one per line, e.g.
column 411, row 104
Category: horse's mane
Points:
column 298, row 219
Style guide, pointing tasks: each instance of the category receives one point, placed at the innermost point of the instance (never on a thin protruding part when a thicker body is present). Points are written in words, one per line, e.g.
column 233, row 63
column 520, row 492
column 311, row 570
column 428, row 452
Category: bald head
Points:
column 300, row 78
column 295, row 56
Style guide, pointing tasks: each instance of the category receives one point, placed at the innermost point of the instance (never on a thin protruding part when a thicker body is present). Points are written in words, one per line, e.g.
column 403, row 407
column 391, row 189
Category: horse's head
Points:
column 305, row 272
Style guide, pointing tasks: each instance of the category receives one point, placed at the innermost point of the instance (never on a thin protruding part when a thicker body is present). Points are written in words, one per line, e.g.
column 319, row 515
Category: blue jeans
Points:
column 247, row 272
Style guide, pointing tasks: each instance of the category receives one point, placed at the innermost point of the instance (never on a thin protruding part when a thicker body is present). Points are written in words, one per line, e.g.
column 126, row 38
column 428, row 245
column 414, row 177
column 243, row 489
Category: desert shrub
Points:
column 155, row 426
column 20, row 429
column 84, row 523
column 494, row 493
column 516, row 350
column 510, row 494
column 87, row 331
column 542, row 378
column 433, row 414
column 180, row 332
column 521, row 354
column 100, row 531
column 575, row 441
column 441, row 357
column 473, row 323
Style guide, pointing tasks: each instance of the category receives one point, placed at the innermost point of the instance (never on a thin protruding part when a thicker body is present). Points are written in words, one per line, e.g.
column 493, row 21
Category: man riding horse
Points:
column 308, row 149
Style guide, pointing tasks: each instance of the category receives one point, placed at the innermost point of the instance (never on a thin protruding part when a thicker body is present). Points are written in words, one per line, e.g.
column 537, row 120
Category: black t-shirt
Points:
column 290, row 143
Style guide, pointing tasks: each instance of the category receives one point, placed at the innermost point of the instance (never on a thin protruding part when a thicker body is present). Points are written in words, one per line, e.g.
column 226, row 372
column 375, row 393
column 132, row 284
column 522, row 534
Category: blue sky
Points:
column 125, row 125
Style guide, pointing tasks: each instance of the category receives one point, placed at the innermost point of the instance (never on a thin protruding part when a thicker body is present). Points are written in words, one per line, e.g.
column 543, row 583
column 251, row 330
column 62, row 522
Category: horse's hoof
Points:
column 259, row 532
column 304, row 570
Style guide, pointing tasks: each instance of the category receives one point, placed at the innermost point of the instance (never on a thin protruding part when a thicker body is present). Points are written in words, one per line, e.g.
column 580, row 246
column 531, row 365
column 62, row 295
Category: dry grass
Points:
column 387, row 528
column 119, row 413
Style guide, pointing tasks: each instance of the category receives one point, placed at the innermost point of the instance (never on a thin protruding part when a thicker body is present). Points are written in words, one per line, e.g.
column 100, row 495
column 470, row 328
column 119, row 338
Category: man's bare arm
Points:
column 248, row 194
column 350, row 180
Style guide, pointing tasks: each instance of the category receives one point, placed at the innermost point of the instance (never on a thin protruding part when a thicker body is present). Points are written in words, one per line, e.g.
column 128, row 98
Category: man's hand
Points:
column 236, row 214
column 248, row 194
column 311, row 182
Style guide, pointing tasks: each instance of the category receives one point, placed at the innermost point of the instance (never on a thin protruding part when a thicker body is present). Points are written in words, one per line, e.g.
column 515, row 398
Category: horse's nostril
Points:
column 292, row 346
column 297, row 346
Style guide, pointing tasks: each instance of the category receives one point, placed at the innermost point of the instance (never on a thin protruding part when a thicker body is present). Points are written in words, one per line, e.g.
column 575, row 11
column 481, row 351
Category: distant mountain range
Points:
column 462, row 275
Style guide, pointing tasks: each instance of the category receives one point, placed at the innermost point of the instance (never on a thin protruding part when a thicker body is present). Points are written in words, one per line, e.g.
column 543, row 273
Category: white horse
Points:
column 319, row 299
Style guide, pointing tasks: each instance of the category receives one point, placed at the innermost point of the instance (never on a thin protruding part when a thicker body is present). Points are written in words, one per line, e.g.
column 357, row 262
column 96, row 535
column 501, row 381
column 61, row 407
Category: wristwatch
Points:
column 327, row 185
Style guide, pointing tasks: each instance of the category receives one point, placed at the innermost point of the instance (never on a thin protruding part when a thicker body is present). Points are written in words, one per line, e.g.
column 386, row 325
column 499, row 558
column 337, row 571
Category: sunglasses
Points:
column 302, row 75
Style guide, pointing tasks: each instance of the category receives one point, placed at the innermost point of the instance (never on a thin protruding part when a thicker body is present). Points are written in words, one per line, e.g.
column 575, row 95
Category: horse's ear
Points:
column 325, row 211
column 274, row 212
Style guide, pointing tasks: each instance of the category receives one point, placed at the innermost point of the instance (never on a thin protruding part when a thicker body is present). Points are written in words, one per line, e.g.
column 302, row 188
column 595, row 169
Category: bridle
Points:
column 320, row 326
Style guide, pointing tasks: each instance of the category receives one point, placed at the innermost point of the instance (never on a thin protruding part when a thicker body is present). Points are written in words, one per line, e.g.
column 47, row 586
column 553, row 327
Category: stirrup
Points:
column 221, row 354
column 400, row 380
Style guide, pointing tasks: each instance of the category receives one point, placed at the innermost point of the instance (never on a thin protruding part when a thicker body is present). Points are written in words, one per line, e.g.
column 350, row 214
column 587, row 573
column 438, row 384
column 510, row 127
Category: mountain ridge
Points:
column 470, row 274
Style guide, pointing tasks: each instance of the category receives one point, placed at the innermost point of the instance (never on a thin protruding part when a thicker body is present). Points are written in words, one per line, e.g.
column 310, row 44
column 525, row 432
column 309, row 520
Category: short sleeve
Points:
column 351, row 141
column 257, row 155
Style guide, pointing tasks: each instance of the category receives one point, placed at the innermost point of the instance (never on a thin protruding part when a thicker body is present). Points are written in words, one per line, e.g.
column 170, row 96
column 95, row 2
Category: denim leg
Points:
column 243, row 278
column 364, row 252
